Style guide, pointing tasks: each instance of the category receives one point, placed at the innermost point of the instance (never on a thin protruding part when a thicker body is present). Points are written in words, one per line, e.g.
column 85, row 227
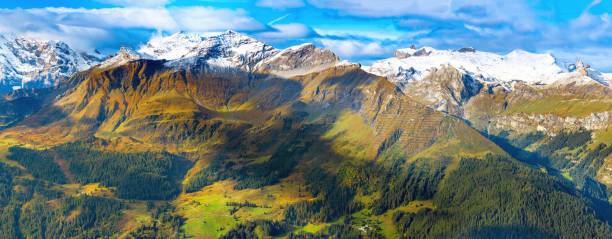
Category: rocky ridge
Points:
column 230, row 51
column 28, row 63
column 523, row 122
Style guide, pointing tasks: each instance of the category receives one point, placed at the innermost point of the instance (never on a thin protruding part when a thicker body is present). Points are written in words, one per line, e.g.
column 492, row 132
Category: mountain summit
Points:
column 230, row 51
column 226, row 50
column 411, row 64
column 27, row 63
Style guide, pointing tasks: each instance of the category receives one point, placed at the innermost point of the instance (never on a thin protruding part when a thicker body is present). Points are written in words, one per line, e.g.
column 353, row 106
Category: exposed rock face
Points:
column 26, row 63
column 298, row 60
column 400, row 54
column 580, row 68
column 445, row 89
column 412, row 51
column 124, row 55
column 467, row 49
column 552, row 123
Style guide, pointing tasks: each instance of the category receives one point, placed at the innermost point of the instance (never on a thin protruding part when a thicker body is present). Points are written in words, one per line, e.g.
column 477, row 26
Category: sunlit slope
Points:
column 329, row 149
column 195, row 109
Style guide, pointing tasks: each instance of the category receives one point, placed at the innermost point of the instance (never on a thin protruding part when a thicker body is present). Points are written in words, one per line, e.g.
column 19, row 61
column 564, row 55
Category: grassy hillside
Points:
column 143, row 151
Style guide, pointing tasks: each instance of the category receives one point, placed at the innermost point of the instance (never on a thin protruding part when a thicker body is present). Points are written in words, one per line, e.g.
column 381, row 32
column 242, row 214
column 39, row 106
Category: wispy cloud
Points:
column 278, row 19
column 591, row 5
column 284, row 32
column 380, row 34
column 348, row 49
column 515, row 13
column 93, row 28
column 280, row 4
column 211, row 19
column 137, row 3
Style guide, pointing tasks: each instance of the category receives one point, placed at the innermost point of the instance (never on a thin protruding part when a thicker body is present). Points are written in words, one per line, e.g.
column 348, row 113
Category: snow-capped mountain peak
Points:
column 581, row 74
column 124, row 55
column 172, row 47
column 228, row 49
column 32, row 63
column 413, row 64
column 299, row 60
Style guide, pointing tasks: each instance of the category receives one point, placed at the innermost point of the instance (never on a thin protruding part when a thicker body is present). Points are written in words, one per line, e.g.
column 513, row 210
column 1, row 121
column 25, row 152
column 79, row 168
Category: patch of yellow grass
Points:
column 351, row 136
column 603, row 136
column 208, row 216
column 134, row 216
column 563, row 106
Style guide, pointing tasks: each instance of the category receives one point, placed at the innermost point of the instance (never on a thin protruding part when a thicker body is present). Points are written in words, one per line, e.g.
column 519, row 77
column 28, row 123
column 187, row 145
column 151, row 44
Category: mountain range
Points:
column 27, row 63
column 224, row 136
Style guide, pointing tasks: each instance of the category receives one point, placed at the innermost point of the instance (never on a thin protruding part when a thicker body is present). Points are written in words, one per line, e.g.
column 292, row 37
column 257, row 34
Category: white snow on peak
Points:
column 27, row 63
column 124, row 55
column 602, row 78
column 413, row 64
column 227, row 50
column 573, row 78
column 176, row 46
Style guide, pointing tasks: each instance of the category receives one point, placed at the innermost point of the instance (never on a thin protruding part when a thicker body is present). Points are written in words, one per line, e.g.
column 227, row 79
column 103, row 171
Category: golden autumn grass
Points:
column 162, row 111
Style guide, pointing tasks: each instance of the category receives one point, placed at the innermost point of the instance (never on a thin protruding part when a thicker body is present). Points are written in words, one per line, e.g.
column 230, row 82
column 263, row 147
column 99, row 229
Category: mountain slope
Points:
column 298, row 145
column 522, row 101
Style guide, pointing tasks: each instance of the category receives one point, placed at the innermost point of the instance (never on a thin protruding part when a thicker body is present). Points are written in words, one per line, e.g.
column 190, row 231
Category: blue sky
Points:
column 357, row 30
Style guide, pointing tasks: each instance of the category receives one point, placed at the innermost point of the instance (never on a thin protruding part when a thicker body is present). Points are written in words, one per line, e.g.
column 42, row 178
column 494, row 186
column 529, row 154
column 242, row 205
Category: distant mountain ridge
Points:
column 228, row 49
column 411, row 64
column 451, row 80
column 27, row 63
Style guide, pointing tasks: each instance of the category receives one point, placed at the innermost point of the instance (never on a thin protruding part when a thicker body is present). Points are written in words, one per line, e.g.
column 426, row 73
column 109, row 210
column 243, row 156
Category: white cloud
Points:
column 286, row 31
column 280, row 4
column 355, row 49
column 515, row 13
column 416, row 23
column 87, row 28
column 154, row 18
column 486, row 31
column 380, row 34
column 211, row 19
column 137, row 3
column 170, row 19
column 598, row 57
column 386, row 8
